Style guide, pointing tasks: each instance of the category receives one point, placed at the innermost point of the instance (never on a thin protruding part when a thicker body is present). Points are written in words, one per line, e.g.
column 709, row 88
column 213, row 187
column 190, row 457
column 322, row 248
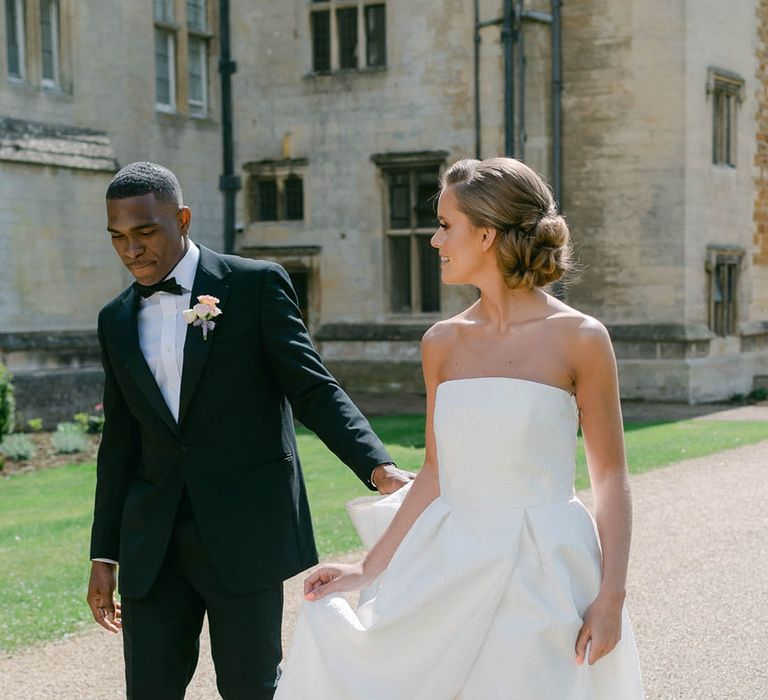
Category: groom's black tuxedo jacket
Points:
column 234, row 447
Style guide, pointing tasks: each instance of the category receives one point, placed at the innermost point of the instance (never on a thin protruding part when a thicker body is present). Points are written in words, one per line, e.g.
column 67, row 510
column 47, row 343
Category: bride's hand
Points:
column 335, row 578
column 602, row 626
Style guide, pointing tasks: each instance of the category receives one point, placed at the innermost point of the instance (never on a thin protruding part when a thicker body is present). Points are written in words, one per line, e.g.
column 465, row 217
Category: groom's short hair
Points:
column 143, row 177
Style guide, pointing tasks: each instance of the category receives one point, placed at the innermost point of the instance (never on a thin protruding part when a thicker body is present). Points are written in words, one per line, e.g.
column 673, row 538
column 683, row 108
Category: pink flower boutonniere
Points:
column 203, row 313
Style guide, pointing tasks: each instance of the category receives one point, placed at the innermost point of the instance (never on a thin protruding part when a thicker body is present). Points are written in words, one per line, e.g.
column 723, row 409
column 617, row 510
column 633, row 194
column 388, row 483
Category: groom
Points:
column 199, row 493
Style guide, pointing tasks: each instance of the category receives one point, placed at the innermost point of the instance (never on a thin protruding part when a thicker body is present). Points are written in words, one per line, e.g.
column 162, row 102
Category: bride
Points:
column 492, row 581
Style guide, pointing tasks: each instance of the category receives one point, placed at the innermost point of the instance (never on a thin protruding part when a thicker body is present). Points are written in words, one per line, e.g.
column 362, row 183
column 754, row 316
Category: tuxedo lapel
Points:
column 127, row 333
column 210, row 279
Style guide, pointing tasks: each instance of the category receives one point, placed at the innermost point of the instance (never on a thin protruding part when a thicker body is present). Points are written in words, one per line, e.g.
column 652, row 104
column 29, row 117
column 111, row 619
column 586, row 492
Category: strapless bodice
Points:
column 504, row 442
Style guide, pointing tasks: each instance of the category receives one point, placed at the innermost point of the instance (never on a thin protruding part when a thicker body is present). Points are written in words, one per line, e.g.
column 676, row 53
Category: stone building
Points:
column 665, row 167
column 83, row 89
column 345, row 112
column 663, row 171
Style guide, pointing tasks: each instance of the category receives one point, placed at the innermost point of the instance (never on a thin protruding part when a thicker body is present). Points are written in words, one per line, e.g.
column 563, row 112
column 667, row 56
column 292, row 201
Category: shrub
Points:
column 92, row 424
column 35, row 425
column 17, row 447
column 759, row 394
column 69, row 438
column 7, row 404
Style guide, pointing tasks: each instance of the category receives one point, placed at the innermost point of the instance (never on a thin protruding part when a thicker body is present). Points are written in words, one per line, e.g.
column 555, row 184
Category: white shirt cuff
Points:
column 106, row 561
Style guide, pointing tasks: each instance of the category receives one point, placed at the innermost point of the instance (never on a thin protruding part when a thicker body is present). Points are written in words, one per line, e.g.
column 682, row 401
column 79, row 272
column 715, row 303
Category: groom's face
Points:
column 148, row 234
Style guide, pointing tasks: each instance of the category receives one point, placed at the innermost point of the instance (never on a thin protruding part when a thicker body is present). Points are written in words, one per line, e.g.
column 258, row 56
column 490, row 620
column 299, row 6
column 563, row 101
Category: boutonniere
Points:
column 203, row 313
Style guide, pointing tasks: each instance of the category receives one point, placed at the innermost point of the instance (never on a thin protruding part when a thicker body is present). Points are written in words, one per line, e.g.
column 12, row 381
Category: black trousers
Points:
column 161, row 631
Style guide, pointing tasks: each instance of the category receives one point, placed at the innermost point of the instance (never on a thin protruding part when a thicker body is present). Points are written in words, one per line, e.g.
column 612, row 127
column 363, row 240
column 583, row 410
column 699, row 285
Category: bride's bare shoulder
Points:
column 437, row 345
column 574, row 321
column 444, row 333
column 583, row 333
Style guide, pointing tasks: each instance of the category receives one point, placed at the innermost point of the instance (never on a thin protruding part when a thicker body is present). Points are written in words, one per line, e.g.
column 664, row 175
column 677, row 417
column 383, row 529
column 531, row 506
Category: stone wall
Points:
column 61, row 267
column 624, row 157
column 53, row 216
column 643, row 197
column 718, row 198
column 721, row 201
column 640, row 192
column 55, row 374
column 420, row 102
column 759, row 305
column 58, row 265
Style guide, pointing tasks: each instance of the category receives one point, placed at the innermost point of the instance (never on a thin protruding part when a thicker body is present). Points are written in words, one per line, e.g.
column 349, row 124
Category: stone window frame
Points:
column 727, row 91
column 723, row 266
column 170, row 20
column 398, row 163
column 29, row 25
column 364, row 19
column 280, row 172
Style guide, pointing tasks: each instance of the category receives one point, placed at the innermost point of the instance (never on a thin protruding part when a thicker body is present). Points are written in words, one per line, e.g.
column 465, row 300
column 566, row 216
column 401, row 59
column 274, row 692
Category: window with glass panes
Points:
column 375, row 36
column 724, row 266
column 182, row 55
column 321, row 41
column 347, row 35
column 723, row 138
column 263, row 199
column 49, row 40
column 165, row 11
column 14, row 32
column 293, row 194
column 197, row 59
column 165, row 54
column 197, row 17
column 414, row 265
column 727, row 90
column 276, row 197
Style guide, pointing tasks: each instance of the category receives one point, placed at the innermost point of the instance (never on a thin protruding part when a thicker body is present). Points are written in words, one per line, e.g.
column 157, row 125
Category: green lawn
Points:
column 45, row 516
column 44, row 529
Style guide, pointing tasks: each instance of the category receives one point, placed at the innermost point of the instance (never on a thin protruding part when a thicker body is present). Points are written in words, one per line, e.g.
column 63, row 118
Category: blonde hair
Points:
column 534, row 244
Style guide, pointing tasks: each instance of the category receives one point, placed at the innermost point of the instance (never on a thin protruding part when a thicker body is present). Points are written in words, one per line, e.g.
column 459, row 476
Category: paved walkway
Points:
column 698, row 595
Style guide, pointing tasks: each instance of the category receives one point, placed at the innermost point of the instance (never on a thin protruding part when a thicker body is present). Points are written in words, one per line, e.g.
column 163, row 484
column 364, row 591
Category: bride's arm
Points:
column 597, row 393
column 348, row 577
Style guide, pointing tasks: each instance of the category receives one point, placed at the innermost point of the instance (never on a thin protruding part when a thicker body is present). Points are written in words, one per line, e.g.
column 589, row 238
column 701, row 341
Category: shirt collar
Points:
column 186, row 268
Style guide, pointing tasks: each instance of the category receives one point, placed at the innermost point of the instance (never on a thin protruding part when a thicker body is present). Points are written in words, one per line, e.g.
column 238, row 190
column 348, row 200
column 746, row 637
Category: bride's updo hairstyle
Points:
column 534, row 247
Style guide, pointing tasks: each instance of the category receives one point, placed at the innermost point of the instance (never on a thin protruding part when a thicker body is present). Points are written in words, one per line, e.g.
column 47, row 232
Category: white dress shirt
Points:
column 162, row 332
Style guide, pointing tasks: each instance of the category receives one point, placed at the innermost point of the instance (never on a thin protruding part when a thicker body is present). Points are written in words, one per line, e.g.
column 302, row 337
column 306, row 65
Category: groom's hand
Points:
column 101, row 596
column 387, row 478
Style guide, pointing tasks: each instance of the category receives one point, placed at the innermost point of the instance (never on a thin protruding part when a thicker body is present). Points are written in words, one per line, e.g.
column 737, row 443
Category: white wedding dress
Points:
column 484, row 597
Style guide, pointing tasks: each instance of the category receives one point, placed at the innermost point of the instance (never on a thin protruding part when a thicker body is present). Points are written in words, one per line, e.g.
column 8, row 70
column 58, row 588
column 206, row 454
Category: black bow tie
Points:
column 170, row 285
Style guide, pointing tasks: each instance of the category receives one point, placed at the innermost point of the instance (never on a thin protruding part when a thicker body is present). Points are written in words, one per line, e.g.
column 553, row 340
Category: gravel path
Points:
column 698, row 595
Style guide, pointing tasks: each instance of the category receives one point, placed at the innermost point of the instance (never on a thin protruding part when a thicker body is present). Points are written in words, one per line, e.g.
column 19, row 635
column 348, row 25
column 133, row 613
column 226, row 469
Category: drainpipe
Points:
column 478, row 143
column 557, row 92
column 508, row 38
column 511, row 23
column 521, row 80
column 229, row 183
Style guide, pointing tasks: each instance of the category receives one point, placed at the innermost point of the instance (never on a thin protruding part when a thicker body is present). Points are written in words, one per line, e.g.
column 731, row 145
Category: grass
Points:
column 330, row 484
column 44, row 530
column 45, row 515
